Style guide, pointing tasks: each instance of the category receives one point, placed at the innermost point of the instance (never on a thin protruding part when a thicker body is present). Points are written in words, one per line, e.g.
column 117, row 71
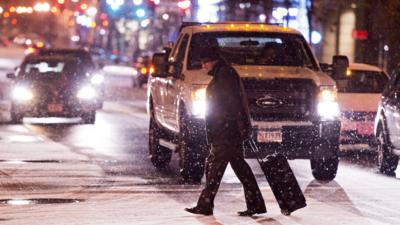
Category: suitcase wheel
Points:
column 285, row 212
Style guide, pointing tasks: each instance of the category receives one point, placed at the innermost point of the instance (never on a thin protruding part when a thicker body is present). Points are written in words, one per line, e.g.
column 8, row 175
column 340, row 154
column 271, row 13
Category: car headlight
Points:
column 97, row 79
column 86, row 93
column 199, row 102
column 328, row 107
column 22, row 93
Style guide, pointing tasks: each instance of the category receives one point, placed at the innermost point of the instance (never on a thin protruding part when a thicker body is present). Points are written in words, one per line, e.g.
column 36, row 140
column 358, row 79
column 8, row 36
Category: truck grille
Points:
column 359, row 115
column 280, row 99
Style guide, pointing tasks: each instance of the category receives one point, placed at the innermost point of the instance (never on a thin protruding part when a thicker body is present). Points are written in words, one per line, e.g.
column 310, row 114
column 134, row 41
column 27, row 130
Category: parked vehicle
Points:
column 144, row 67
column 293, row 104
column 387, row 126
column 359, row 92
column 60, row 86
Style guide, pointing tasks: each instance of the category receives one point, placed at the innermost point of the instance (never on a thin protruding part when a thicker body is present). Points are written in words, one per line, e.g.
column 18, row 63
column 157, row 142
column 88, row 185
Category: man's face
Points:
column 207, row 64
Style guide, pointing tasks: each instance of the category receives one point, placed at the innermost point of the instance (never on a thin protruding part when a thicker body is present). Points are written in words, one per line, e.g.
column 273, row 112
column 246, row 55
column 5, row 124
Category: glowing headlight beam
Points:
column 199, row 104
column 86, row 93
column 22, row 93
column 97, row 79
column 328, row 95
column 327, row 107
column 199, row 94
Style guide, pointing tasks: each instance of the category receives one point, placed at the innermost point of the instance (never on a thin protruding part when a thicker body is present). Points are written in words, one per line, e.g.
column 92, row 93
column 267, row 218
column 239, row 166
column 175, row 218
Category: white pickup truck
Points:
column 292, row 102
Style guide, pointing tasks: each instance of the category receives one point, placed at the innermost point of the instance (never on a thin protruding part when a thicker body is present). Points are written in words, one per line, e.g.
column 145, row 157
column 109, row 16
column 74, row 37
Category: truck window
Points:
column 182, row 49
column 180, row 54
column 254, row 48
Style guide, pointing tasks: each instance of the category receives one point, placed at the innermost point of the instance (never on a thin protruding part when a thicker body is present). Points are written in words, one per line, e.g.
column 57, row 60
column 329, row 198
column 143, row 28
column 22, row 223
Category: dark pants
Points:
column 217, row 161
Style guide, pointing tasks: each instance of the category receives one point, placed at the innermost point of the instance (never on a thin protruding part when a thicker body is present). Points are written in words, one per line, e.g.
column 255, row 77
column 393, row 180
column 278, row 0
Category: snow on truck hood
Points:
column 367, row 102
column 271, row 72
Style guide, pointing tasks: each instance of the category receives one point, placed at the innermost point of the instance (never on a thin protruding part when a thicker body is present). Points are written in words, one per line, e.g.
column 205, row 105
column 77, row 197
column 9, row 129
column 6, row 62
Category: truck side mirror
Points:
column 160, row 64
column 167, row 50
column 340, row 63
column 11, row 76
column 325, row 67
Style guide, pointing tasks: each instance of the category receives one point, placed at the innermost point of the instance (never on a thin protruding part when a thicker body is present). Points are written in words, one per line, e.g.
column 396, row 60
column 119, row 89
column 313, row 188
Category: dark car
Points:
column 59, row 86
column 86, row 58
column 387, row 127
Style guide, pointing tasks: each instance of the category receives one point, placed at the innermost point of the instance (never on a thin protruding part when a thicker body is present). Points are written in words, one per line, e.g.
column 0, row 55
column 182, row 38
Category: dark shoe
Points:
column 197, row 210
column 251, row 212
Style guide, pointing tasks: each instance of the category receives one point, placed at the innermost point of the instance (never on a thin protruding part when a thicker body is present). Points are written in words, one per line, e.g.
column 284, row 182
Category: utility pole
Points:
column 310, row 13
column 287, row 6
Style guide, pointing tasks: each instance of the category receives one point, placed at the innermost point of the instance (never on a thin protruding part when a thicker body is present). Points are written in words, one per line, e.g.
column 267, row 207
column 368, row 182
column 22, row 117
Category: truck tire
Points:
column 324, row 169
column 160, row 156
column 386, row 160
column 193, row 151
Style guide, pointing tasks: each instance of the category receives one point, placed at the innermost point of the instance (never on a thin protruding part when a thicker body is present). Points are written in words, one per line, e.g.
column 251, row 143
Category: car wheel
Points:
column 192, row 152
column 160, row 156
column 16, row 117
column 89, row 118
column 386, row 160
column 135, row 83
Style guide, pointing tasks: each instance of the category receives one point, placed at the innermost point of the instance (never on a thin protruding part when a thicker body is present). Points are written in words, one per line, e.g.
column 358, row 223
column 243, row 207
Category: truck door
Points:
column 160, row 93
column 174, row 83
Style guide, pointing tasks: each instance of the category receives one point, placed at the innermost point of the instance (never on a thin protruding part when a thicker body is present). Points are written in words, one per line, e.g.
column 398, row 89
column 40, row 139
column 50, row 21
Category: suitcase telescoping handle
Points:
column 254, row 148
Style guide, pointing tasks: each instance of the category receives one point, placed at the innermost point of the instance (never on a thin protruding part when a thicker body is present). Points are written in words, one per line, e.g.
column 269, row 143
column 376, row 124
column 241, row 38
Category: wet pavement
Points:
column 72, row 173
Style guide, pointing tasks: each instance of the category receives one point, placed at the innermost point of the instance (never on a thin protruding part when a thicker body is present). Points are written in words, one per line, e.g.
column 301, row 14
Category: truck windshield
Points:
column 362, row 82
column 254, row 48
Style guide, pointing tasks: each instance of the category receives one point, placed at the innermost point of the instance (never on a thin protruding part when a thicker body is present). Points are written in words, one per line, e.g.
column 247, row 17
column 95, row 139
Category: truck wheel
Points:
column 192, row 152
column 160, row 156
column 16, row 117
column 89, row 117
column 386, row 160
column 324, row 169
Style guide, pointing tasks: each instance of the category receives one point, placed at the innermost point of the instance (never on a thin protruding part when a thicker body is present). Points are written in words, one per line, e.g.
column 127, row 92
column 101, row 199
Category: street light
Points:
column 92, row 11
column 42, row 7
column 137, row 2
column 115, row 4
column 140, row 13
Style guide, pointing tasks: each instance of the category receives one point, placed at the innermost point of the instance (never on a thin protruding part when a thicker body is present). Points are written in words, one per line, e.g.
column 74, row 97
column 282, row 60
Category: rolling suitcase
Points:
column 282, row 181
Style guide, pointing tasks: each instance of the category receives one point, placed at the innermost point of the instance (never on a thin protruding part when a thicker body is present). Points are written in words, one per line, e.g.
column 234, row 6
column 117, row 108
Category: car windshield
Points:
column 254, row 48
column 50, row 68
column 359, row 81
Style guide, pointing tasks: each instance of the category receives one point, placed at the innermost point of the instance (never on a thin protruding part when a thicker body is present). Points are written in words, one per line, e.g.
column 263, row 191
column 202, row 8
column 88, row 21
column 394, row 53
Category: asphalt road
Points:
column 71, row 173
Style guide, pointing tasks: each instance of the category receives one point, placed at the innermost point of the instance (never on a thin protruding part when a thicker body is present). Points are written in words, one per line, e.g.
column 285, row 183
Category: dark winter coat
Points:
column 227, row 117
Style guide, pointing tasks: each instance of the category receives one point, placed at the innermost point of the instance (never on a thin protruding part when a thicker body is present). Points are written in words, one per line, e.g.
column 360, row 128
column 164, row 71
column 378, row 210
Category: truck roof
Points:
column 365, row 67
column 236, row 27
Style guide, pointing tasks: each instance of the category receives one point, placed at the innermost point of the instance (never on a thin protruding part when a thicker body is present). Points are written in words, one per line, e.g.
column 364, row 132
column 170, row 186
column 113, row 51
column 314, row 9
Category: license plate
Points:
column 55, row 107
column 269, row 136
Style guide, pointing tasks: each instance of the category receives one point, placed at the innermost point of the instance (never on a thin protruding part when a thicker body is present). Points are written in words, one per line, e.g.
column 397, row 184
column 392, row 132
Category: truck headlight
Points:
column 199, row 102
column 97, row 79
column 328, row 107
column 22, row 93
column 86, row 93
